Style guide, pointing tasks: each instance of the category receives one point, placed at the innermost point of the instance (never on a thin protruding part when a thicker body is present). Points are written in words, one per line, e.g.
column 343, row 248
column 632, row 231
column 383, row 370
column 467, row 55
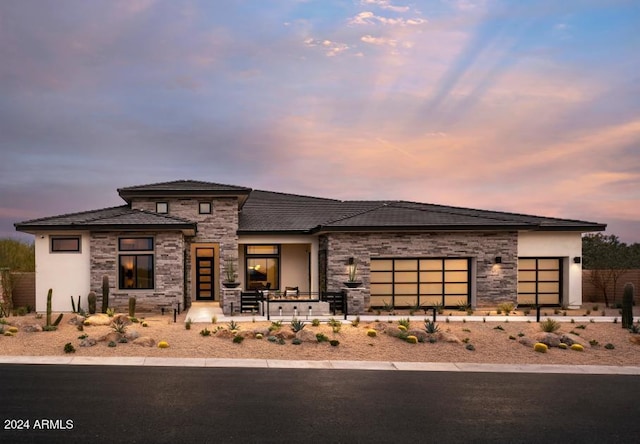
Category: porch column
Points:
column 358, row 300
column 230, row 296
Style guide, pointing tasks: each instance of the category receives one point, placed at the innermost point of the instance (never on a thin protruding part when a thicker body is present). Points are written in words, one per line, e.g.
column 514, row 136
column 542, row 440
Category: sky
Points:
column 521, row 106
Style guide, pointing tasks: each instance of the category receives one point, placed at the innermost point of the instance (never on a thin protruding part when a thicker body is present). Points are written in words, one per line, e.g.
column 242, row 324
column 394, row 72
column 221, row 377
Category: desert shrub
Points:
column 205, row 332
column 238, row 339
column 355, row 322
column 513, row 338
column 577, row 347
column 372, row 333
column 549, row 325
column 214, row 319
column 275, row 325
column 506, row 307
column 334, row 342
column 321, row 337
column 593, row 343
column 187, row 324
column 470, row 347
column 69, row 348
column 499, row 327
column 296, row 341
column 111, row 344
column 272, row 339
column 412, row 339
column 315, row 322
column 163, row 344
column 609, row 346
column 123, row 340
column 540, row 347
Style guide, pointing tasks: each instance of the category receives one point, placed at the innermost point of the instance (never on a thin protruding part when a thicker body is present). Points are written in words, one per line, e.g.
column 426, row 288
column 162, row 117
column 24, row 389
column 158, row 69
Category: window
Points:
column 136, row 269
column 262, row 265
column 540, row 281
column 69, row 244
column 204, row 208
column 407, row 282
column 162, row 207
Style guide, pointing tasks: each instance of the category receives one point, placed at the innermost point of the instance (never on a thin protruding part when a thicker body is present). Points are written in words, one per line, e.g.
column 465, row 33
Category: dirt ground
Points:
column 494, row 341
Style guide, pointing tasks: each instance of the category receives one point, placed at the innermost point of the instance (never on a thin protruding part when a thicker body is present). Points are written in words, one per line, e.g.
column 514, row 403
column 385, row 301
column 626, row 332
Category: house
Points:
column 171, row 243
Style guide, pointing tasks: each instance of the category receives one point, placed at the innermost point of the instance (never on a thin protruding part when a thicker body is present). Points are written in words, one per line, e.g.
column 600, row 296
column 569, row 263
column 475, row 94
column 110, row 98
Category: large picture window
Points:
column 262, row 265
column 136, row 268
column 427, row 282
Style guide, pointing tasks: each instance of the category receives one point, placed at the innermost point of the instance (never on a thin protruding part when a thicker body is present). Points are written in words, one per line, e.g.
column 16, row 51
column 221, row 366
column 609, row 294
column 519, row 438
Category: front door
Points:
column 204, row 274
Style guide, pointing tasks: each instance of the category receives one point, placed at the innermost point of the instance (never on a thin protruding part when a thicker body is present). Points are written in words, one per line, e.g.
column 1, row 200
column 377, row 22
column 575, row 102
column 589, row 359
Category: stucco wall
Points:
column 67, row 274
column 563, row 245
column 491, row 283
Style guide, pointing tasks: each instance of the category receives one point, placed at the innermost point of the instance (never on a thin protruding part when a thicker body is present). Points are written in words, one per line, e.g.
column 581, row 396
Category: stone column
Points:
column 228, row 297
column 358, row 300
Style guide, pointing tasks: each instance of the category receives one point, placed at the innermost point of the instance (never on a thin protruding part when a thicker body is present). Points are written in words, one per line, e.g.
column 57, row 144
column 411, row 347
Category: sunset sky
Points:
column 522, row 106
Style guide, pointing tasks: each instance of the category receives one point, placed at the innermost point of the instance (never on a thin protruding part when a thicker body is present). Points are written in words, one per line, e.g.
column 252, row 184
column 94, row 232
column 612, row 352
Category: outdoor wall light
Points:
column 577, row 260
column 498, row 259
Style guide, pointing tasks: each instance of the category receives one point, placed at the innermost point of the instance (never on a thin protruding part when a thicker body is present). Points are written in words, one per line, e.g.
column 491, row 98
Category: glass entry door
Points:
column 204, row 274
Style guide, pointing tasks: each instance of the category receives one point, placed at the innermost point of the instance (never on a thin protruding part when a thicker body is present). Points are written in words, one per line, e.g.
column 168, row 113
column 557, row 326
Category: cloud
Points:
column 384, row 4
column 330, row 48
column 369, row 18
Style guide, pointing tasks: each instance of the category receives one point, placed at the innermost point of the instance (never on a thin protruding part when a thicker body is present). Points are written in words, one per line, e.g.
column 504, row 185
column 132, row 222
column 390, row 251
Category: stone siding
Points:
column 221, row 227
column 493, row 283
column 169, row 267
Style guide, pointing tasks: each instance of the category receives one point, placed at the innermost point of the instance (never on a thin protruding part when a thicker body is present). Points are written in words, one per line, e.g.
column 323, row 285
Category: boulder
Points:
column 247, row 334
column 224, row 334
column 145, row 341
column 121, row 319
column 76, row 319
column 112, row 336
column 527, row 342
column 380, row 326
column 634, row 339
column 420, row 334
column 263, row 331
column 31, row 328
column 284, row 334
column 87, row 342
column 395, row 331
column 548, row 339
column 570, row 339
column 132, row 335
column 98, row 319
column 448, row 337
column 306, row 336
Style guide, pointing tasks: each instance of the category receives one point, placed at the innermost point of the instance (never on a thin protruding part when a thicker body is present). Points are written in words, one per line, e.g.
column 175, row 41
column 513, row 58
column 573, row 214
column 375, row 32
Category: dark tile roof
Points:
column 185, row 185
column 278, row 212
column 121, row 217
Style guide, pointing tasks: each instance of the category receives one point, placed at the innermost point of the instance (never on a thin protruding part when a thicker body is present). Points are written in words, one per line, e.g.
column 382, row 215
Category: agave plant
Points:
column 297, row 325
column 233, row 325
column 431, row 327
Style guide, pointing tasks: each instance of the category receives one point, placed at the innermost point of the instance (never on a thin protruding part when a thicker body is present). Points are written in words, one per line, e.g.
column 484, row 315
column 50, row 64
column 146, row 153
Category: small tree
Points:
column 608, row 259
column 7, row 285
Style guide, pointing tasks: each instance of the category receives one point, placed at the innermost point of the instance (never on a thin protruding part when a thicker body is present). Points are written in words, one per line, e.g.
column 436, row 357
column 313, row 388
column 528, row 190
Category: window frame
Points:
column 136, row 254
column 275, row 256
column 166, row 207
column 200, row 211
column 54, row 250
column 537, row 280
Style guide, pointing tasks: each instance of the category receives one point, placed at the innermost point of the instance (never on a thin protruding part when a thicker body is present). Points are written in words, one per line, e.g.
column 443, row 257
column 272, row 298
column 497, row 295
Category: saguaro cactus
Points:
column 132, row 307
column 105, row 293
column 627, row 306
column 92, row 302
column 49, row 294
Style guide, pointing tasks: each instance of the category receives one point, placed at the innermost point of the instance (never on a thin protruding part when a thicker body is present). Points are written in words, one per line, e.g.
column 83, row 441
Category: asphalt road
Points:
column 94, row 404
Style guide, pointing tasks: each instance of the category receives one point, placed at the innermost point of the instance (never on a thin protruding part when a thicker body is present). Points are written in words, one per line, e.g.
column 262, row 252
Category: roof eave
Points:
column 187, row 229
column 128, row 195
column 418, row 228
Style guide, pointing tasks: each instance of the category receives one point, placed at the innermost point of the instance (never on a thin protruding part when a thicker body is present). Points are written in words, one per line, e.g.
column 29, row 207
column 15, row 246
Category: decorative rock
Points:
column 224, row 334
column 32, row 328
column 394, row 331
column 448, row 337
column 306, row 336
column 420, row 334
column 263, row 331
column 132, row 335
column 121, row 319
column 113, row 336
column 548, row 339
column 98, row 319
column 380, row 326
column 145, row 341
column 284, row 334
column 247, row 334
column 76, row 320
column 570, row 339
column 87, row 342
column 634, row 339
column 527, row 342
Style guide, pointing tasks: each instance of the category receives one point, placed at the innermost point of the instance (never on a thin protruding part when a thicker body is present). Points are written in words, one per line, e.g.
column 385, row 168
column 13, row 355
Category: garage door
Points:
column 540, row 281
column 406, row 282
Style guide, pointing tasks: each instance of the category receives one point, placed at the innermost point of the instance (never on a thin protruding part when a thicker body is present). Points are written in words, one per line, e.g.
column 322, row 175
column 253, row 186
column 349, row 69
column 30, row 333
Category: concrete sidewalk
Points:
column 326, row 365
